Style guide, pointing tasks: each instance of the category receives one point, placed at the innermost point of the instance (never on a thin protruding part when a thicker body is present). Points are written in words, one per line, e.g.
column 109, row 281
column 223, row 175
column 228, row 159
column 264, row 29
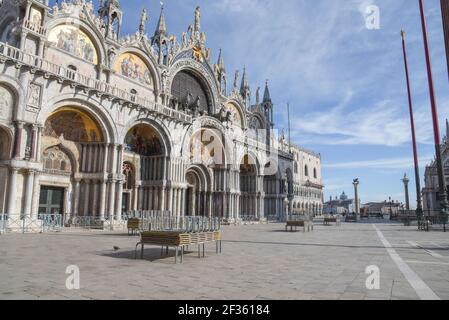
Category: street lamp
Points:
column 436, row 128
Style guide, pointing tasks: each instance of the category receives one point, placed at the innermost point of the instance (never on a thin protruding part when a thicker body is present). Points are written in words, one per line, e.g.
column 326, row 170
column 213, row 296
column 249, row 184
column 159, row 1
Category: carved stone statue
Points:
column 203, row 39
column 184, row 40
column 197, row 19
column 111, row 56
column 258, row 96
column 143, row 21
column 224, row 115
column 236, row 79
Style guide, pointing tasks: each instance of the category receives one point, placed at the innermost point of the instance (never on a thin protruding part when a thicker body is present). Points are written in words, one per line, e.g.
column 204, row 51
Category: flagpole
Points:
column 436, row 127
column 419, row 209
column 289, row 129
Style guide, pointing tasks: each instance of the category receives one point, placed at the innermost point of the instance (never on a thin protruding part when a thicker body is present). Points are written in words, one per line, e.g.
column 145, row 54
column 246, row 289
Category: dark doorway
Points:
column 125, row 202
column 51, row 200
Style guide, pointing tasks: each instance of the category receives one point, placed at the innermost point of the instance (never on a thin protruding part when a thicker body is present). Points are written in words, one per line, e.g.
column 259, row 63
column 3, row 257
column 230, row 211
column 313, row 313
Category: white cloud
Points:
column 387, row 163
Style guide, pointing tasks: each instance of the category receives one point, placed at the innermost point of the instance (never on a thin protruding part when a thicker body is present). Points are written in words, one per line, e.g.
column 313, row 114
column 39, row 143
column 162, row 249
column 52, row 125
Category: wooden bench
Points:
column 328, row 221
column 306, row 225
column 133, row 226
column 179, row 241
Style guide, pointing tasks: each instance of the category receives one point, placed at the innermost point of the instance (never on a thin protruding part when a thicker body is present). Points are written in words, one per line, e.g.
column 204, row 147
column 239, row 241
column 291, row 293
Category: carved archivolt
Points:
column 196, row 67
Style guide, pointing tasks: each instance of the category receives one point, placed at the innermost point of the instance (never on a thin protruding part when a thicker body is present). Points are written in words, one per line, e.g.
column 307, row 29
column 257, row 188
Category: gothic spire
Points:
column 266, row 95
column 161, row 29
column 245, row 85
column 447, row 128
column 220, row 62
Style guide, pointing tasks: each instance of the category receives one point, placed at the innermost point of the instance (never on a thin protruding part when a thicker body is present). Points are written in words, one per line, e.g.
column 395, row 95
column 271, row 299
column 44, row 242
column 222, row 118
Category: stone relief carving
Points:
column 6, row 103
column 34, row 97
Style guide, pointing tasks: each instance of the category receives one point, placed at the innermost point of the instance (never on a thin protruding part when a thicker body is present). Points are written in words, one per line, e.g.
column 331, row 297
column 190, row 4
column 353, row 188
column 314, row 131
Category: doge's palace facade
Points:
column 96, row 124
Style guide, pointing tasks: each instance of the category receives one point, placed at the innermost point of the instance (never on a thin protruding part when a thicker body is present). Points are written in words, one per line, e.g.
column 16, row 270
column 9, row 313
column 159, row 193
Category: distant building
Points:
column 342, row 205
column 431, row 203
column 385, row 208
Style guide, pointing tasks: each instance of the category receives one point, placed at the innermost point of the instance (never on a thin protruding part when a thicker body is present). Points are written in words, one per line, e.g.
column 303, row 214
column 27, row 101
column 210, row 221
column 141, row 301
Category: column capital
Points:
column 14, row 169
column 30, row 172
column 19, row 124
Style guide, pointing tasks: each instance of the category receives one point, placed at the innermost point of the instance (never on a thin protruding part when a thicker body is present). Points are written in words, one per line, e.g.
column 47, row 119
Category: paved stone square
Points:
column 258, row 262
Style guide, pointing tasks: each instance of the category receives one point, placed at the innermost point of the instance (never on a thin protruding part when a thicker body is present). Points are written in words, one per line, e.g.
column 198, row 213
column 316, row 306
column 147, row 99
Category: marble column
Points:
column 119, row 200
column 35, row 197
column 103, row 200
column 211, row 201
column 12, row 192
column 162, row 199
column 76, row 198
column 86, row 198
column 112, row 191
column 18, row 140
column 170, row 201
column 35, row 136
column 183, row 203
column 39, row 144
column 135, row 198
column 28, row 193
column 178, row 202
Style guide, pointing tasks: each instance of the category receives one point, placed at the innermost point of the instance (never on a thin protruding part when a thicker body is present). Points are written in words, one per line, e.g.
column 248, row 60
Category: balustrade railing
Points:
column 88, row 82
column 30, row 25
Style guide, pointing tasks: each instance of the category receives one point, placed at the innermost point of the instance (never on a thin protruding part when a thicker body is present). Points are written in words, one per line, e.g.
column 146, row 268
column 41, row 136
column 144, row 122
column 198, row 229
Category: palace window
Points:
column 306, row 171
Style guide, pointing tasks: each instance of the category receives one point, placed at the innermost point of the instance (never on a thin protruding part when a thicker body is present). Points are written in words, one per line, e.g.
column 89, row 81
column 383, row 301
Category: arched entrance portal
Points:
column 197, row 201
column 73, row 154
column 248, row 188
column 144, row 169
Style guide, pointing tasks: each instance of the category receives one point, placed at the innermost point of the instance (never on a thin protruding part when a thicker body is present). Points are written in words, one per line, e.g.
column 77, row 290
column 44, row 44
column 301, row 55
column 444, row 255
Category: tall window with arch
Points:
column 306, row 171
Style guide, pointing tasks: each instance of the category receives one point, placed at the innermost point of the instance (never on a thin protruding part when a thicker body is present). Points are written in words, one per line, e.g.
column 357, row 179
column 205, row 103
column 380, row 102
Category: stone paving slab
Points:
column 258, row 262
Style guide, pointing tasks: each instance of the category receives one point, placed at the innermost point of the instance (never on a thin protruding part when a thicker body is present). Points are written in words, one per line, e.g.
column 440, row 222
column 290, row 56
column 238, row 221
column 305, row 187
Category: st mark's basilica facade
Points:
column 93, row 123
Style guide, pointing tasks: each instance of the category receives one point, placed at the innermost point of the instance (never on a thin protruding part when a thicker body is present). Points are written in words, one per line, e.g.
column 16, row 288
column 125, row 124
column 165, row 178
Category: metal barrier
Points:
column 251, row 218
column 272, row 218
column 3, row 218
column 182, row 224
column 22, row 224
column 149, row 220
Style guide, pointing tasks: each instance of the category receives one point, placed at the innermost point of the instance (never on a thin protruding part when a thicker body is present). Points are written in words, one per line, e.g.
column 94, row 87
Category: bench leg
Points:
column 199, row 251
column 135, row 251
column 220, row 246
column 203, row 250
column 182, row 254
column 176, row 255
column 162, row 251
column 141, row 251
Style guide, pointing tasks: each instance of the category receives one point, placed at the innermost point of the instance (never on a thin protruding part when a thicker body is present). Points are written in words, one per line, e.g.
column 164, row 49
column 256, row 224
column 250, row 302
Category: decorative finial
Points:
column 403, row 34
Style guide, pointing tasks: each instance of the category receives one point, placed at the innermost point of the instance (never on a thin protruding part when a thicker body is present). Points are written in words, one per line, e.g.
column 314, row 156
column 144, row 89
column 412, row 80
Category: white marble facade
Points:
column 93, row 123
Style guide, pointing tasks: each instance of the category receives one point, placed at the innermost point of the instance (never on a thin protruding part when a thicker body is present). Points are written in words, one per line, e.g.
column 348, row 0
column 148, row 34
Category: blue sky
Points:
column 345, row 83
